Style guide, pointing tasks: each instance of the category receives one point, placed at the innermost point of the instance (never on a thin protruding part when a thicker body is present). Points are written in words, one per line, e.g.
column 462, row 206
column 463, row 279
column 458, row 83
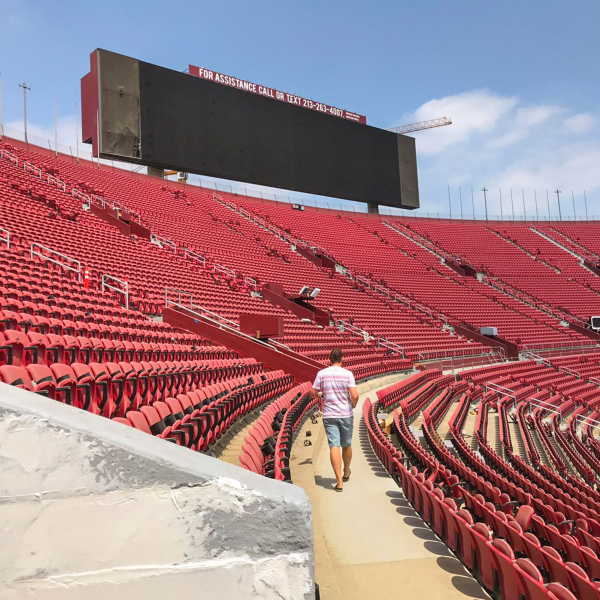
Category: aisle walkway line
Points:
column 369, row 542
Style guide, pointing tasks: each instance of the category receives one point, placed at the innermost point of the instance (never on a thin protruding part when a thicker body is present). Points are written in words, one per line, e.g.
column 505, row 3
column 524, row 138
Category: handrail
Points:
column 586, row 419
column 13, row 158
column 179, row 293
column 203, row 312
column 65, row 265
column 197, row 257
column 57, row 182
column 392, row 346
column 345, row 326
column 31, row 168
column 163, row 241
column 79, row 194
column 500, row 389
column 544, row 405
column 116, row 205
column 194, row 306
column 7, row 238
column 101, row 201
column 250, row 281
column 125, row 291
column 221, row 269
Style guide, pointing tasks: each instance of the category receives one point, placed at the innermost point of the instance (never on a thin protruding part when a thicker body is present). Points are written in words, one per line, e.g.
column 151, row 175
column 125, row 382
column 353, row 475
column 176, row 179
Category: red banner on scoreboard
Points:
column 268, row 92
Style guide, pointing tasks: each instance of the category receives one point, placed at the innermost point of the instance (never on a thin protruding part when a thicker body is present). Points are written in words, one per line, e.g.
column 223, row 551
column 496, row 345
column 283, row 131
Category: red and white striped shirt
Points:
column 335, row 382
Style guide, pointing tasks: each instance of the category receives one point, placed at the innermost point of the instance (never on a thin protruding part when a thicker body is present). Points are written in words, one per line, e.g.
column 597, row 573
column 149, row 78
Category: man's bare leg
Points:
column 336, row 463
column 347, row 457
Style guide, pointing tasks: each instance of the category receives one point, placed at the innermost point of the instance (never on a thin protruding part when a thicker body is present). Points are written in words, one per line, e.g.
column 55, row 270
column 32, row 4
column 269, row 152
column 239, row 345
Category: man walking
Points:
column 336, row 389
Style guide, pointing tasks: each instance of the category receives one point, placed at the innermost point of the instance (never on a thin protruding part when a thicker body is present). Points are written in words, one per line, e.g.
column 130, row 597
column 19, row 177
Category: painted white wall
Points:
column 92, row 509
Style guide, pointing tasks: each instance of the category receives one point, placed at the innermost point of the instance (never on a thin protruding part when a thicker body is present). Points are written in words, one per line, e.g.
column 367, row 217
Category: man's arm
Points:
column 353, row 396
column 314, row 393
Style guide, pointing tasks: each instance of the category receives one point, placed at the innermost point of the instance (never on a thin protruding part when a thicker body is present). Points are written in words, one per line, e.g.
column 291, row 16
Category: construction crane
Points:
column 412, row 127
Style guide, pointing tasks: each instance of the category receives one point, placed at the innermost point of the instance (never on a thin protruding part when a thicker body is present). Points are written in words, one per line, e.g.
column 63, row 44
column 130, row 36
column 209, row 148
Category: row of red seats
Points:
column 259, row 446
column 491, row 559
column 189, row 421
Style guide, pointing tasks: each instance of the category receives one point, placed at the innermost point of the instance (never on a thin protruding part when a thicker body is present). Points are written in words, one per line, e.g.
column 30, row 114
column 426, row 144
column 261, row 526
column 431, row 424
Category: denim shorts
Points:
column 339, row 431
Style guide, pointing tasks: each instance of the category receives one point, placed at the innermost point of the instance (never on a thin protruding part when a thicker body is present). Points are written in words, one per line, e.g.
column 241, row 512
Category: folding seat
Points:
column 555, row 566
column 16, row 376
column 184, row 431
column 504, row 559
column 533, row 585
column 108, row 350
column 122, row 421
column 22, row 349
column 582, row 586
column 81, row 329
column 484, row 565
column 156, row 425
column 189, row 418
column 42, row 380
column 84, row 346
column 66, row 384
column 160, row 372
column 89, row 394
column 140, row 421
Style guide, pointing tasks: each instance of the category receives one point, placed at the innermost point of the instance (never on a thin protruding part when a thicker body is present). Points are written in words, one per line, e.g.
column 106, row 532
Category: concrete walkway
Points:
column 369, row 542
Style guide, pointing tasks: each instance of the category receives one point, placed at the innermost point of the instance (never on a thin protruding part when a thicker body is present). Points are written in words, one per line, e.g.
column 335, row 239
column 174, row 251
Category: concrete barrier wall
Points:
column 96, row 510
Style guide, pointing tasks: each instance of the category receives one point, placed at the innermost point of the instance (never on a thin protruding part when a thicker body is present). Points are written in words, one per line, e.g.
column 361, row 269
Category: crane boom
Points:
column 412, row 127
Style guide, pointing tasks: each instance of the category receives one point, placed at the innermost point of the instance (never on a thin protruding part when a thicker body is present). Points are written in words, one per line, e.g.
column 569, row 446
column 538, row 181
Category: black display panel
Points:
column 195, row 125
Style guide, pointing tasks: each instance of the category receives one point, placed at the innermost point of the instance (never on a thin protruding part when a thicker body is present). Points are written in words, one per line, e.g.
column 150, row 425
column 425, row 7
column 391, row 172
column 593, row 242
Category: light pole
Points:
column 473, row 203
column 460, row 199
column 558, row 192
column 537, row 215
column 484, row 190
column 524, row 209
column 25, row 88
column 512, row 204
column 501, row 213
column 548, row 201
column 449, row 203
column 585, row 200
column 574, row 212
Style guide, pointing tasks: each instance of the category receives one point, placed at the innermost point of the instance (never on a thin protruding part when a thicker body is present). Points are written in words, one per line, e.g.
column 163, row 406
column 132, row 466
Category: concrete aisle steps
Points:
column 369, row 542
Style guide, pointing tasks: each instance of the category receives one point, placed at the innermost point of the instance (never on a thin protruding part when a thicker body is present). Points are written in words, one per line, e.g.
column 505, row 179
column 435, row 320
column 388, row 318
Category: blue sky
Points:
column 519, row 79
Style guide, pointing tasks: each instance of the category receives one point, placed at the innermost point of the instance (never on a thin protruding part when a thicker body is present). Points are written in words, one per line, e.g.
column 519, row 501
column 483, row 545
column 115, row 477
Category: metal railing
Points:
column 6, row 239
column 225, row 270
column 345, row 326
column 79, row 194
column 220, row 321
column 180, row 295
column 499, row 389
column 544, row 405
column 187, row 253
column 163, row 242
column 13, row 158
column 71, row 264
column 121, row 290
column 59, row 183
column 391, row 346
column 31, row 168
column 582, row 419
column 250, row 282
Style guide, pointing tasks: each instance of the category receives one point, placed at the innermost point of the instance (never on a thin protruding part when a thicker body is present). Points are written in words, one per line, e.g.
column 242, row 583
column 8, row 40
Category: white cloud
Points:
column 502, row 142
column 580, row 123
column 473, row 113
column 524, row 121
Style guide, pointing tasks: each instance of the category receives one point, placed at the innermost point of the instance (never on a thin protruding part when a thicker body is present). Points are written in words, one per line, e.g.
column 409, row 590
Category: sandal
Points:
column 338, row 489
column 347, row 478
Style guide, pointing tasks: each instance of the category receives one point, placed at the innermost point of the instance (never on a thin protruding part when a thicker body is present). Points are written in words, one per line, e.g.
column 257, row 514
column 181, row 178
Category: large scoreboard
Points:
column 212, row 124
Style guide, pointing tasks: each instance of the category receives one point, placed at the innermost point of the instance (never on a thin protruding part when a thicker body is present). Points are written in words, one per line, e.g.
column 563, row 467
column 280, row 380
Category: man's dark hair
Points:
column 336, row 356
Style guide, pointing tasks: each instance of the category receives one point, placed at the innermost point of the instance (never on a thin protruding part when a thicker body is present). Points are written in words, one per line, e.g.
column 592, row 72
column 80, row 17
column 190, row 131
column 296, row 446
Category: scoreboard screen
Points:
column 139, row 112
